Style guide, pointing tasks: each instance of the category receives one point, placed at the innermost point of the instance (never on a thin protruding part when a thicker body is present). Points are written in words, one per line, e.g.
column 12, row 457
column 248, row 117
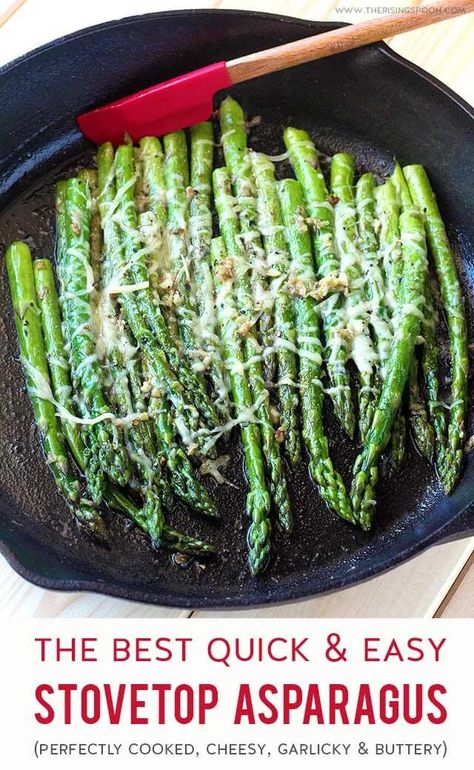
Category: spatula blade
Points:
column 158, row 110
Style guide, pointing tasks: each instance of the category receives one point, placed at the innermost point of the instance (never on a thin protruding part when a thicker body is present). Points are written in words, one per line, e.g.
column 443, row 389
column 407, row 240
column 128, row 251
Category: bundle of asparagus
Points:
column 163, row 338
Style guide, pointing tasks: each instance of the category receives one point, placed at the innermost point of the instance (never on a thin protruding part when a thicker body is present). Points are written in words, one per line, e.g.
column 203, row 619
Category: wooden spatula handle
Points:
column 328, row 43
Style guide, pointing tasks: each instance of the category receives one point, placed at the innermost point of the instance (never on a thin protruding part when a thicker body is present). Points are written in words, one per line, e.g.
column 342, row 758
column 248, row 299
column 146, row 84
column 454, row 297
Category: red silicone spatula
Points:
column 187, row 99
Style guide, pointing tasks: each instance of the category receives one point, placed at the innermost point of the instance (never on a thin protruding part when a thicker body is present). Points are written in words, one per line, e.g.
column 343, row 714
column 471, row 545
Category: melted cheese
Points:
column 109, row 331
column 42, row 390
column 212, row 468
column 278, row 158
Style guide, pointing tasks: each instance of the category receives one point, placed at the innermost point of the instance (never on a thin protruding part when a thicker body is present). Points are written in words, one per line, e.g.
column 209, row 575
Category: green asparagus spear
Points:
column 136, row 435
column 154, row 230
column 229, row 226
column 120, row 356
column 258, row 498
column 27, row 317
column 78, row 437
column 48, row 304
column 33, row 357
column 176, row 541
column 116, row 264
column 89, row 175
column 135, row 268
column 453, row 303
column 378, row 308
column 361, row 347
column 137, row 271
column 146, row 438
column 93, row 469
column 182, row 543
column 237, row 159
column 430, row 369
column 330, row 484
column 270, row 224
column 398, row 365
column 152, row 157
column 397, row 444
column 153, row 221
column 399, row 181
column 176, row 172
column 93, row 466
column 200, row 231
column 422, row 430
column 61, row 386
column 388, row 212
column 182, row 478
column 77, row 287
column 304, row 159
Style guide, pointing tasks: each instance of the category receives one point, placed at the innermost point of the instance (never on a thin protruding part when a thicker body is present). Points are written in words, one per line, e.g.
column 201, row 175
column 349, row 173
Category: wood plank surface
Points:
column 458, row 602
column 438, row 582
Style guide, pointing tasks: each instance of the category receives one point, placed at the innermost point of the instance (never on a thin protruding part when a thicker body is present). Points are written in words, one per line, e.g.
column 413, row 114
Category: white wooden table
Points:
column 439, row 582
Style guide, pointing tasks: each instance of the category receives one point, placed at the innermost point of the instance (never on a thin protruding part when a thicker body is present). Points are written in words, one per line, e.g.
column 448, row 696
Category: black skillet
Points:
column 369, row 102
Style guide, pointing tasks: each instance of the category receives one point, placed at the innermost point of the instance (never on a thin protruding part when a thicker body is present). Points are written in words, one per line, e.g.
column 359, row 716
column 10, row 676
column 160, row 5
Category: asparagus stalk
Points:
column 200, row 230
column 361, row 347
column 153, row 224
column 330, row 484
column 89, row 175
column 388, row 212
column 146, row 439
column 422, row 430
column 397, row 444
column 176, row 173
column 140, row 450
column 183, row 480
column 270, row 224
column 79, row 439
column 258, row 498
column 398, row 366
column 453, row 303
column 176, row 541
column 155, row 230
column 229, row 226
column 237, row 159
column 116, row 264
column 304, row 159
column 136, row 271
column 378, row 308
column 430, row 369
column 152, row 511
column 77, row 287
column 34, row 361
column 188, row 544
column 93, row 469
column 121, row 357
column 61, row 387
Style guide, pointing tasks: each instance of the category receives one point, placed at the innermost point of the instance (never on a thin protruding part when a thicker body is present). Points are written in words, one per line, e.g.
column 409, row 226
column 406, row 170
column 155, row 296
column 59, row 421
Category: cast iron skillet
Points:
column 369, row 102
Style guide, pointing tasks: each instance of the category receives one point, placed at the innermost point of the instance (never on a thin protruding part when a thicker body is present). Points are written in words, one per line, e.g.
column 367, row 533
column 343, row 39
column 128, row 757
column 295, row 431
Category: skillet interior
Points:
column 367, row 102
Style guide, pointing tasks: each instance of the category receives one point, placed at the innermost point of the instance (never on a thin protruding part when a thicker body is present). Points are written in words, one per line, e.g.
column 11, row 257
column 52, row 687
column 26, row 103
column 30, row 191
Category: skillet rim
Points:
column 172, row 601
column 167, row 599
